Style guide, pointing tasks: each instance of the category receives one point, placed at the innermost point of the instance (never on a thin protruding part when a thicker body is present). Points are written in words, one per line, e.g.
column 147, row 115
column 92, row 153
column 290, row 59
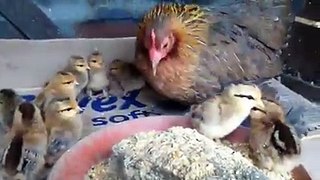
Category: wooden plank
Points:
column 27, row 18
column 7, row 31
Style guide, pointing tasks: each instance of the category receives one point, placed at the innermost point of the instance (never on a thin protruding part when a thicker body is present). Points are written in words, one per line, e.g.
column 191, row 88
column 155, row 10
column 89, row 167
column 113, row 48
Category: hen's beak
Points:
column 155, row 57
column 154, row 67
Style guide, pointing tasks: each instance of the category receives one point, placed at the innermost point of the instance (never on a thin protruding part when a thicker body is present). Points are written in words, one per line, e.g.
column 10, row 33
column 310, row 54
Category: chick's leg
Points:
column 89, row 92
column 59, row 142
column 105, row 93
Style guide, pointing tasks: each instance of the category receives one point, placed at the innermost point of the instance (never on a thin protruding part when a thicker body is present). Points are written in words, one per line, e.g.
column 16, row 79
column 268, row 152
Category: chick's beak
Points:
column 88, row 68
column 79, row 109
column 76, row 83
column 260, row 106
column 155, row 57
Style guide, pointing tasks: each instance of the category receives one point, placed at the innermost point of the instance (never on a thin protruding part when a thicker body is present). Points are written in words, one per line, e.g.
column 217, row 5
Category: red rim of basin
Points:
column 75, row 163
column 89, row 151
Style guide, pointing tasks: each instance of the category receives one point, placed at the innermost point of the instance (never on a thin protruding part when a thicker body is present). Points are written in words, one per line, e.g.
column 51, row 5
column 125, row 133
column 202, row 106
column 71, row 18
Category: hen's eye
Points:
column 165, row 45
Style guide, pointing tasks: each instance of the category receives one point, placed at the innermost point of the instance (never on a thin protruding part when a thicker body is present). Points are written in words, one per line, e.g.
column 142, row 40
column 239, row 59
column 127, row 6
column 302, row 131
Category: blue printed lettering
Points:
column 134, row 114
column 84, row 101
column 28, row 98
column 131, row 100
column 99, row 121
column 118, row 118
column 101, row 104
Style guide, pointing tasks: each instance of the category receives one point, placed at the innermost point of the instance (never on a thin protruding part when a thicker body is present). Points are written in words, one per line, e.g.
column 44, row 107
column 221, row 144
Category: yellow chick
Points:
column 62, row 85
column 9, row 100
column 274, row 145
column 128, row 77
column 79, row 67
column 98, row 80
column 219, row 116
column 64, row 126
column 24, row 155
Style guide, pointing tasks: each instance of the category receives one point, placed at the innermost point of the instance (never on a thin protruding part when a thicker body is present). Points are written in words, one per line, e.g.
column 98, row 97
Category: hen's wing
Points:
column 237, row 52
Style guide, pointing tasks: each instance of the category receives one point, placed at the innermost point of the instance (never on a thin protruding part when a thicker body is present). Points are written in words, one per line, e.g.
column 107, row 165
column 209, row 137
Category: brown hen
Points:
column 188, row 54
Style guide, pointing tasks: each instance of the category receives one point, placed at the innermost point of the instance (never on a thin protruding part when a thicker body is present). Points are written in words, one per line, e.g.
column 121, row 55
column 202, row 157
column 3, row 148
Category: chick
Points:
column 64, row 126
column 9, row 100
column 62, row 85
column 273, row 144
column 219, row 116
column 24, row 155
column 128, row 77
column 79, row 67
column 98, row 80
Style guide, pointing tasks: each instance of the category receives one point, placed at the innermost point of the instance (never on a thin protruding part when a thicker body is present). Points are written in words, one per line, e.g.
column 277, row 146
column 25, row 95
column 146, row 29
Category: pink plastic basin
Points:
column 74, row 164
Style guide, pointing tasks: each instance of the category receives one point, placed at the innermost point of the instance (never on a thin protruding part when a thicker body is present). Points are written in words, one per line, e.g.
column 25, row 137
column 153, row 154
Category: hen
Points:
column 188, row 54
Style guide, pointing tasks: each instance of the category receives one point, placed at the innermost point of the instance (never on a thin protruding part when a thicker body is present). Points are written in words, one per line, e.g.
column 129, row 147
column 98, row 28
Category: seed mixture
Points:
column 179, row 153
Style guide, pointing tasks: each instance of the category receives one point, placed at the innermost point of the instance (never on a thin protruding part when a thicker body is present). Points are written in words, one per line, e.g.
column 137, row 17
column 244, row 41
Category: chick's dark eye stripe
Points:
column 244, row 96
column 67, row 109
column 63, row 73
column 69, row 82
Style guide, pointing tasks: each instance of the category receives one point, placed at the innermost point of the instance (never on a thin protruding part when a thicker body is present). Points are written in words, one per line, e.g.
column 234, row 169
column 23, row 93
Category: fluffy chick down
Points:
column 219, row 116
column 274, row 144
column 126, row 75
column 24, row 154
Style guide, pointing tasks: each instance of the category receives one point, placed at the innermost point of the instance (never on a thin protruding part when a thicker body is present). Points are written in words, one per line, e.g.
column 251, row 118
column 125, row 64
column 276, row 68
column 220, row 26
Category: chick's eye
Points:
column 81, row 65
column 94, row 61
column 250, row 97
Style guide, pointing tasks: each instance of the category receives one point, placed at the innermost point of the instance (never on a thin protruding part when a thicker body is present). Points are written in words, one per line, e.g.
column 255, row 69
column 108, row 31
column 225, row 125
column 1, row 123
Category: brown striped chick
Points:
column 24, row 155
column 219, row 116
column 64, row 126
column 9, row 100
column 128, row 77
column 98, row 80
column 79, row 67
column 62, row 85
column 274, row 145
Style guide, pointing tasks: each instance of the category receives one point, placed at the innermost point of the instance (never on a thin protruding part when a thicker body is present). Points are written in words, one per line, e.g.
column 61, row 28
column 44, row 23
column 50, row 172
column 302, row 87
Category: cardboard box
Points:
column 26, row 65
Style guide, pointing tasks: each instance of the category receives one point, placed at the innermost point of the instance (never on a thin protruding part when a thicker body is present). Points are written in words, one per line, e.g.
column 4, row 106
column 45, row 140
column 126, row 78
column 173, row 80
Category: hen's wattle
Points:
column 211, row 48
